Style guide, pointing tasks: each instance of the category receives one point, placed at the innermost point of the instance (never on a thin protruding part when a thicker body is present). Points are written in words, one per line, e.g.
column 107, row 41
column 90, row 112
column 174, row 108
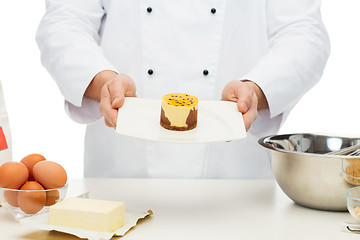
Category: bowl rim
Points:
column 44, row 190
column 349, row 190
column 262, row 142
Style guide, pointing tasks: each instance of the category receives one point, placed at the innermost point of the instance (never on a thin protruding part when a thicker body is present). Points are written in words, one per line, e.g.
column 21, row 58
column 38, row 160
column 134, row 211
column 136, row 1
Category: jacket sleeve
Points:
column 299, row 47
column 68, row 39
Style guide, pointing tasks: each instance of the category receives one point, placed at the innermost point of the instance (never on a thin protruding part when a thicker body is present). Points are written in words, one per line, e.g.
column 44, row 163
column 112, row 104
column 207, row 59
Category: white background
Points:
column 36, row 108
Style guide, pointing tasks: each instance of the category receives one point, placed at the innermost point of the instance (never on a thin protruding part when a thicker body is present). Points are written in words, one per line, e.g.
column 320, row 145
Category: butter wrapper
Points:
column 131, row 218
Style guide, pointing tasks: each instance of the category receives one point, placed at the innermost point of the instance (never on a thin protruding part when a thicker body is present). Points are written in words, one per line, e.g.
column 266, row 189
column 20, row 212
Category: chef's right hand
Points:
column 110, row 89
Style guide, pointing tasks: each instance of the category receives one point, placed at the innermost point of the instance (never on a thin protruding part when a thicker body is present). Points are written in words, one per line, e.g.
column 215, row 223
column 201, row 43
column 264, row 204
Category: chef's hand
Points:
column 249, row 98
column 110, row 89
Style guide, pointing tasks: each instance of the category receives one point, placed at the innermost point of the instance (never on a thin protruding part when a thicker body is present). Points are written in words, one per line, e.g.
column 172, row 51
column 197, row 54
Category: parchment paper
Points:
column 131, row 218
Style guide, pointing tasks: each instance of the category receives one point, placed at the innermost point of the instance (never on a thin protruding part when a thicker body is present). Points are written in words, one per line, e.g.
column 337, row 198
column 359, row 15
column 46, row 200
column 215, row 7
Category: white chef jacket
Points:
column 190, row 46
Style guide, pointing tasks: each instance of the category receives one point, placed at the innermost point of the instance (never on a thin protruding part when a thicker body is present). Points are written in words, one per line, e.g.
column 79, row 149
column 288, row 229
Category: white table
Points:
column 201, row 209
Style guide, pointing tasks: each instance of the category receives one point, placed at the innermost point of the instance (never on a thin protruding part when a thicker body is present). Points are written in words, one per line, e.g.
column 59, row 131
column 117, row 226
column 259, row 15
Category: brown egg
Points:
column 13, row 175
column 11, row 197
column 50, row 174
column 52, row 197
column 31, row 202
column 30, row 160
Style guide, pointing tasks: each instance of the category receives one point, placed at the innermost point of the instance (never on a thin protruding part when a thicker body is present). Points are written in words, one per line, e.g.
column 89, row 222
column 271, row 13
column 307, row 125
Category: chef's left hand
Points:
column 249, row 98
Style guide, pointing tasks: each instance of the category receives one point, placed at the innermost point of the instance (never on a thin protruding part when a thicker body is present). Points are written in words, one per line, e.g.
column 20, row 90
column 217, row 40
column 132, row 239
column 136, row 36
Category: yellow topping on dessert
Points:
column 180, row 100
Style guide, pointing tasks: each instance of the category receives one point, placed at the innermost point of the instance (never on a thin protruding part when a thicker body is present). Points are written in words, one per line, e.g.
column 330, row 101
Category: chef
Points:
column 263, row 54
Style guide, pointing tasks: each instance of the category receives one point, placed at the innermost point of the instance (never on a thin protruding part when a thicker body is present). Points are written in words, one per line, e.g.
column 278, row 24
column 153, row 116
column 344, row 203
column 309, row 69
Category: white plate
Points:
column 217, row 121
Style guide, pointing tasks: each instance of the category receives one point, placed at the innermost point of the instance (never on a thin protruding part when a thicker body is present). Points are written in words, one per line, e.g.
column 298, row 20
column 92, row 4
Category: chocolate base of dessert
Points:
column 174, row 128
column 191, row 122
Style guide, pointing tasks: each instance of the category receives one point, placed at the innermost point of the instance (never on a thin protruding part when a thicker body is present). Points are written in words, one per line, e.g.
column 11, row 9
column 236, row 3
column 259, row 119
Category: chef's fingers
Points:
column 251, row 114
column 245, row 97
column 105, row 108
column 107, row 123
column 247, row 103
column 116, row 93
column 120, row 87
column 228, row 93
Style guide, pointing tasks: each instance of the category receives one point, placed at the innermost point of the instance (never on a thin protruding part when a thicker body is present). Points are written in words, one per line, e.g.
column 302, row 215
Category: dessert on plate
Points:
column 179, row 111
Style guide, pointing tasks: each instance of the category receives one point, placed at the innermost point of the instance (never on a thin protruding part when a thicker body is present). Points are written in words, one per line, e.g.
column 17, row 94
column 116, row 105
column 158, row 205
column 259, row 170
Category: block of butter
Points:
column 89, row 214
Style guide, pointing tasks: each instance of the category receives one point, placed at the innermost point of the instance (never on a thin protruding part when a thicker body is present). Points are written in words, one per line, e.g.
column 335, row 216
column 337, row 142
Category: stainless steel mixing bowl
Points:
column 305, row 173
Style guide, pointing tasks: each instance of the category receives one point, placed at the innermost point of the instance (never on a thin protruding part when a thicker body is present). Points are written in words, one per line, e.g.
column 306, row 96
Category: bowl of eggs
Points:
column 32, row 185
